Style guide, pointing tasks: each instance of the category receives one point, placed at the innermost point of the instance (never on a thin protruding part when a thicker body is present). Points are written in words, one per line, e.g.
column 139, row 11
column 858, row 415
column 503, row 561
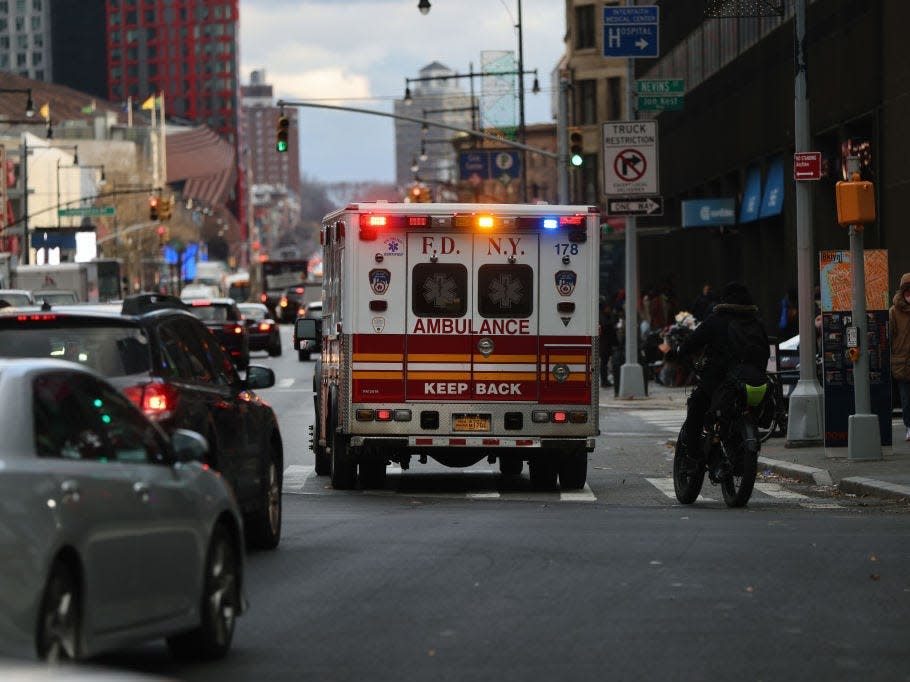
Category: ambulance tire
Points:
column 344, row 468
column 573, row 470
column 544, row 471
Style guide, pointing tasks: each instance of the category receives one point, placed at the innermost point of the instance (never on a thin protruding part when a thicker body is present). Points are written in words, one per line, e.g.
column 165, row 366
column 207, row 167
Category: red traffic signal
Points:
column 153, row 208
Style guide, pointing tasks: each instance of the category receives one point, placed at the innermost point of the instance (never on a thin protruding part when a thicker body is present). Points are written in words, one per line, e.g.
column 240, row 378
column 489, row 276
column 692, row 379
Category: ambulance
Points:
column 457, row 332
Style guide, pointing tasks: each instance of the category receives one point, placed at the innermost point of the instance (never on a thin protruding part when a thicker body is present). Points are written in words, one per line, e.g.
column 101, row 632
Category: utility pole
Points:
column 805, row 426
column 23, row 165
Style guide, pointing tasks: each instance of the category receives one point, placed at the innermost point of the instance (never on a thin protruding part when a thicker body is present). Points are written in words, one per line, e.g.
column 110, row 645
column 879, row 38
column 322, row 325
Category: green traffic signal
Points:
column 576, row 153
column 576, row 160
column 282, row 130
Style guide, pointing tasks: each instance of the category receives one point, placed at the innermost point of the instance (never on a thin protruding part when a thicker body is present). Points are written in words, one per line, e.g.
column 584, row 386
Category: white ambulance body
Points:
column 458, row 332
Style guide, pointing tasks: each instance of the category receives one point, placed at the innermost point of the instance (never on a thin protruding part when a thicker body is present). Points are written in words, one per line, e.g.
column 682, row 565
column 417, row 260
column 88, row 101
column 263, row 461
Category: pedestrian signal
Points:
column 282, row 130
column 576, row 152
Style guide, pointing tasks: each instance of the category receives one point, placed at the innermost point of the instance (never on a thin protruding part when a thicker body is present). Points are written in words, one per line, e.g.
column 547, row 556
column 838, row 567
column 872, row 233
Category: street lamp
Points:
column 424, row 7
column 29, row 105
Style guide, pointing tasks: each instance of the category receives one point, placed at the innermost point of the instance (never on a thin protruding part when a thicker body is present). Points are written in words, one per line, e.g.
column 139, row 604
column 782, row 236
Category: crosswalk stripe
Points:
column 665, row 485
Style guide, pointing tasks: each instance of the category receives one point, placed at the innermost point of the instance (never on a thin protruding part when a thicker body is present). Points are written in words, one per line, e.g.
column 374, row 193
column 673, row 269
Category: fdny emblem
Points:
column 378, row 324
column 379, row 281
column 565, row 282
column 393, row 247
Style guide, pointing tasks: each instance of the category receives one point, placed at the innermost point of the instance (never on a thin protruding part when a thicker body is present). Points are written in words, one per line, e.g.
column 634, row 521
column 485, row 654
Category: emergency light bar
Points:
column 370, row 223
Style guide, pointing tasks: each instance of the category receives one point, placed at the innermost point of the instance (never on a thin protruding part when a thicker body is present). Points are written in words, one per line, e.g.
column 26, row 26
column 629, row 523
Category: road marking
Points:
column 295, row 477
column 665, row 485
column 773, row 490
column 285, row 383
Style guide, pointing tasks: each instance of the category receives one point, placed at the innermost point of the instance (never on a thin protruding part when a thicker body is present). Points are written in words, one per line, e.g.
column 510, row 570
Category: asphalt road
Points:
column 454, row 575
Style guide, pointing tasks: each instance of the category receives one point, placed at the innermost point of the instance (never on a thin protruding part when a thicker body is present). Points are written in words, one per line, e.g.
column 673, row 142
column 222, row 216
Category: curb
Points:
column 800, row 472
column 857, row 485
column 870, row 486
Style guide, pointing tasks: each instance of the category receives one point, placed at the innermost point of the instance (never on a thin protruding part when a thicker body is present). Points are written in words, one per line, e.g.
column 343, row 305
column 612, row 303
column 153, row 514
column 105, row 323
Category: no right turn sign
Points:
column 630, row 158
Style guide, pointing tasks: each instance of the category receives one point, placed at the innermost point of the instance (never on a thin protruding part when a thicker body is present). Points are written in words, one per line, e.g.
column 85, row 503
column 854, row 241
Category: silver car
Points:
column 110, row 533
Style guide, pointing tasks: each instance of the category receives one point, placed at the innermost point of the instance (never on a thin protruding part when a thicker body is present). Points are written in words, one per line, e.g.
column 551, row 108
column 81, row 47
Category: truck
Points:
column 457, row 332
column 95, row 281
column 271, row 278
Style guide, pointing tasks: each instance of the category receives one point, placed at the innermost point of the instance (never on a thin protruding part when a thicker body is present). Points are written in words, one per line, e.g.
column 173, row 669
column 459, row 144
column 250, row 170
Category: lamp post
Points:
column 424, row 7
column 29, row 105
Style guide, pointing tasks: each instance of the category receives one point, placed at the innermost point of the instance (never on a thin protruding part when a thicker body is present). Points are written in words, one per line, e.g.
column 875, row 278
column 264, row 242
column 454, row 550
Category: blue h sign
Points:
column 631, row 31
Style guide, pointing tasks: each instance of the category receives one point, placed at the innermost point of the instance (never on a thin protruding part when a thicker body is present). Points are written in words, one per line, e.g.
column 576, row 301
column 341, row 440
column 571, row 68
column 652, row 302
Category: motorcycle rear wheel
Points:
column 686, row 484
column 737, row 486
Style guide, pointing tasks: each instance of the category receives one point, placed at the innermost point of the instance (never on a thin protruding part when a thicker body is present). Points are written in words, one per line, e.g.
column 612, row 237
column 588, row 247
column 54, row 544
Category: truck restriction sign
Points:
column 630, row 158
column 807, row 166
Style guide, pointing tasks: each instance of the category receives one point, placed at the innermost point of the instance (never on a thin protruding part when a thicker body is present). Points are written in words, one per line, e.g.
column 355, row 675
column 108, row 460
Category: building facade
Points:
column 731, row 144
column 25, row 47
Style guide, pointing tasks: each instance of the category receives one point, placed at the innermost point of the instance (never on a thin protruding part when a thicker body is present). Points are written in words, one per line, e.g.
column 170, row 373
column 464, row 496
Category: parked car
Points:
column 17, row 297
column 263, row 331
column 290, row 302
column 165, row 360
column 54, row 296
column 305, row 348
column 113, row 532
column 224, row 319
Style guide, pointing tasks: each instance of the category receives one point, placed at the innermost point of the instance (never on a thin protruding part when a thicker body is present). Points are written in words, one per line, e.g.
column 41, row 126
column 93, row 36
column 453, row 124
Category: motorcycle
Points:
column 730, row 443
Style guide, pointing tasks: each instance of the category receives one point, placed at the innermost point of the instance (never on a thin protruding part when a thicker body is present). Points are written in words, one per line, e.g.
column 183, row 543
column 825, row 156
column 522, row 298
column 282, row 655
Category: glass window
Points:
column 196, row 352
column 133, row 439
column 584, row 27
column 175, row 361
column 439, row 290
column 614, row 98
column 585, row 102
column 65, row 425
column 505, row 290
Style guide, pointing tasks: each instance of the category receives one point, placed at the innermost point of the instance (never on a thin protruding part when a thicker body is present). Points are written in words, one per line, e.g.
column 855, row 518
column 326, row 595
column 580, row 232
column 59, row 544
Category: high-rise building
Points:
column 259, row 116
column 24, row 46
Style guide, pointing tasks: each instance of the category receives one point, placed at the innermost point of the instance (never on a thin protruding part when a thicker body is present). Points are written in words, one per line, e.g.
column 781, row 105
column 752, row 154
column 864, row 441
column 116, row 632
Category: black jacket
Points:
column 712, row 336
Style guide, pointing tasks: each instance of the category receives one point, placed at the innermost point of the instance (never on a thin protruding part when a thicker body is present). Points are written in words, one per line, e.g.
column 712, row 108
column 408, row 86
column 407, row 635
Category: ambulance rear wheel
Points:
column 573, row 470
column 344, row 468
column 544, row 470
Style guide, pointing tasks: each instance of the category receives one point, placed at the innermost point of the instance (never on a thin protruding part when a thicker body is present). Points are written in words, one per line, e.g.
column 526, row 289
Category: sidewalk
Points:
column 888, row 477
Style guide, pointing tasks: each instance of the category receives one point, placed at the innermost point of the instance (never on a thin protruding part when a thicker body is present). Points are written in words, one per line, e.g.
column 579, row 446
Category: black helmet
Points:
column 734, row 292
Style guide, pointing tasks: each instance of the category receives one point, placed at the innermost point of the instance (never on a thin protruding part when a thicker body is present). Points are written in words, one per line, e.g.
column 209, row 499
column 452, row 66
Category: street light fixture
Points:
column 29, row 105
column 424, row 7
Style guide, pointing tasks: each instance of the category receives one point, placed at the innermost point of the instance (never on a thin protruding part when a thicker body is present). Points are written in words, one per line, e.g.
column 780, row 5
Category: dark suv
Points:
column 290, row 303
column 225, row 321
column 166, row 361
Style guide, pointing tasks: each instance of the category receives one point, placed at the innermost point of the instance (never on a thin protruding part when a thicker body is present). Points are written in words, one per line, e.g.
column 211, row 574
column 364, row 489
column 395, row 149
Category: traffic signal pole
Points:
column 562, row 170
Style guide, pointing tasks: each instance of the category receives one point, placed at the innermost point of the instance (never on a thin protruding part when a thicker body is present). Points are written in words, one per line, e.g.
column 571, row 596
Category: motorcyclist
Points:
column 722, row 357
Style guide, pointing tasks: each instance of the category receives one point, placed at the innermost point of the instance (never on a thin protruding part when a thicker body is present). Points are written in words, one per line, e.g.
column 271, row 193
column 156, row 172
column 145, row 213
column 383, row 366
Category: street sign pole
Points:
column 805, row 426
column 631, row 376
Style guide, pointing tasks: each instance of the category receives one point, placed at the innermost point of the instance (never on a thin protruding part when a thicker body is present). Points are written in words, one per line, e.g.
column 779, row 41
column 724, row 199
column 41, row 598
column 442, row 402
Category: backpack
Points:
column 748, row 342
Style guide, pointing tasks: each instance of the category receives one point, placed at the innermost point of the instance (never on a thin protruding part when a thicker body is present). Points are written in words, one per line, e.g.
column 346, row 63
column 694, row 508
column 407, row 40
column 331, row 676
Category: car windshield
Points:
column 254, row 312
column 15, row 299
column 55, row 297
column 210, row 313
column 113, row 351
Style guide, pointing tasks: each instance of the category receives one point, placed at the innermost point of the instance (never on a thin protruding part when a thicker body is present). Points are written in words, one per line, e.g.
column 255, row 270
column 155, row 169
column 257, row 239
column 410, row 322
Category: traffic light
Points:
column 416, row 194
column 154, row 204
column 166, row 207
column 576, row 153
column 282, row 129
column 162, row 235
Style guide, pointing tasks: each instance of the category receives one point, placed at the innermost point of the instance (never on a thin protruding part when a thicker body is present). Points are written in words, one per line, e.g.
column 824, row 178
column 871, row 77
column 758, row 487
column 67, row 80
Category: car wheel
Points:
column 303, row 355
column 220, row 603
column 344, row 468
column 275, row 350
column 59, row 622
column 264, row 527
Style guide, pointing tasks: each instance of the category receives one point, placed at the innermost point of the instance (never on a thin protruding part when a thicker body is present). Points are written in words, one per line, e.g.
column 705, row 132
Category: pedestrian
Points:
column 608, row 341
column 788, row 325
column 899, row 336
column 704, row 303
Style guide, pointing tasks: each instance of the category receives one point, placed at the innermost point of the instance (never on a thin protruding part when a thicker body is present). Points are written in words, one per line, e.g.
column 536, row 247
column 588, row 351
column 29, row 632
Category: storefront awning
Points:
column 751, row 203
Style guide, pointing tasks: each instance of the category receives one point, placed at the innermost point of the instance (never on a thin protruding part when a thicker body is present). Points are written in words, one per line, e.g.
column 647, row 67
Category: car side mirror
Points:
column 258, row 376
column 189, row 446
column 306, row 329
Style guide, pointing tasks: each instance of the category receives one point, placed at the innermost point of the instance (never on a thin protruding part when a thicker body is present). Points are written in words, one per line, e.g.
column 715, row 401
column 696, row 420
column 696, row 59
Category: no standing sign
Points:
column 630, row 158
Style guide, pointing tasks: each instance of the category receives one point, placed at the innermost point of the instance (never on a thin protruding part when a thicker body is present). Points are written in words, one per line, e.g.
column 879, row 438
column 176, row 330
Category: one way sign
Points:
column 645, row 206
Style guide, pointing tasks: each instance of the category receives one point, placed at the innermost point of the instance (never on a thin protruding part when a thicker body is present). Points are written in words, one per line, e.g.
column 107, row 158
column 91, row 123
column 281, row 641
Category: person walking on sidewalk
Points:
column 899, row 331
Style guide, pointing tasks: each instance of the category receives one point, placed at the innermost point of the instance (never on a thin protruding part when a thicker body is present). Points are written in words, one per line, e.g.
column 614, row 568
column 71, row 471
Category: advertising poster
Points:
column 836, row 284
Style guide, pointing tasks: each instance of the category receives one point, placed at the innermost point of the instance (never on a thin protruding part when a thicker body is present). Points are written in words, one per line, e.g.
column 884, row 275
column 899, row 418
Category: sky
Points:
column 357, row 53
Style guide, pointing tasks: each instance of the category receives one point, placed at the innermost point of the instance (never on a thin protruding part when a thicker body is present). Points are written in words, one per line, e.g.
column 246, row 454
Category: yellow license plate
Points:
column 471, row 422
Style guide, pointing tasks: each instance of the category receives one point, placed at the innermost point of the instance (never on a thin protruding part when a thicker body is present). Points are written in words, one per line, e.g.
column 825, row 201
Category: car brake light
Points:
column 283, row 303
column 200, row 303
column 263, row 298
column 264, row 326
column 232, row 328
column 157, row 401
